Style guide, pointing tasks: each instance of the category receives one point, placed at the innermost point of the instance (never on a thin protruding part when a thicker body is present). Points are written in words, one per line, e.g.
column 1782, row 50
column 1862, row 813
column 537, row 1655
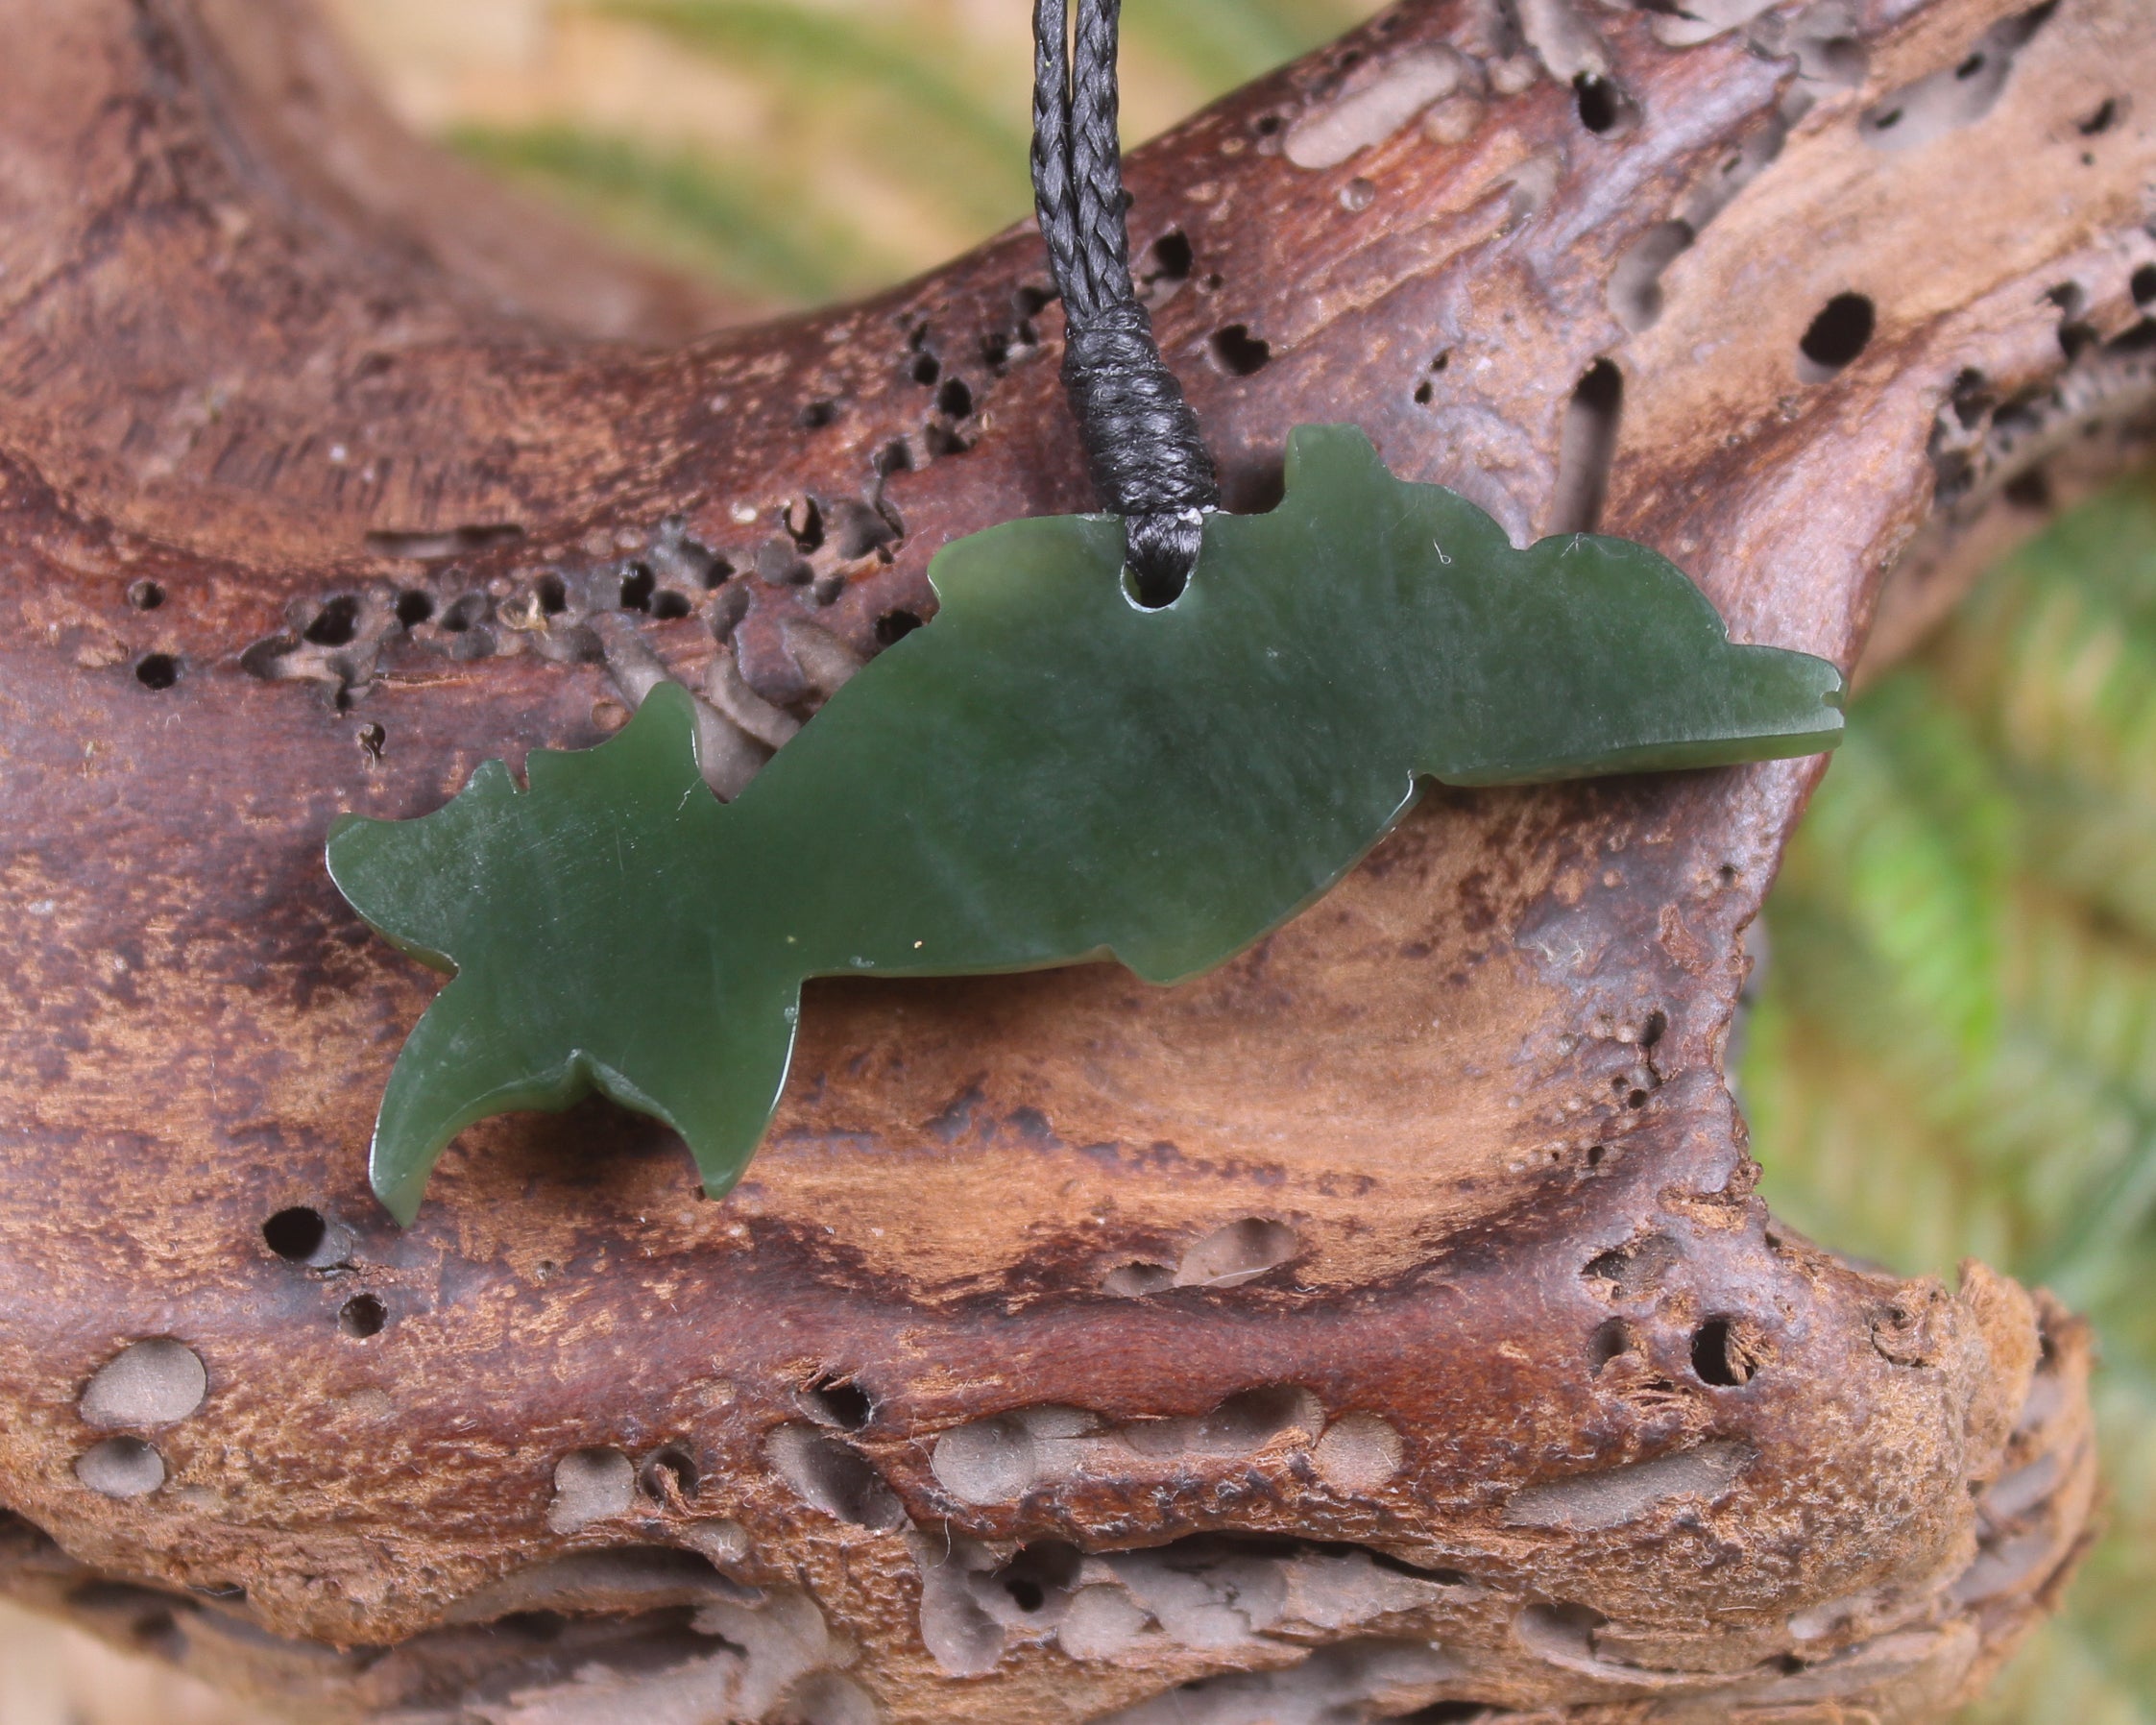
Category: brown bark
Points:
column 1382, row 1323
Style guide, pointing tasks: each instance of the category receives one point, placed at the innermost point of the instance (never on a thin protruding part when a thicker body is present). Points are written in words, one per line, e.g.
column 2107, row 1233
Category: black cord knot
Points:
column 1142, row 442
column 1143, row 447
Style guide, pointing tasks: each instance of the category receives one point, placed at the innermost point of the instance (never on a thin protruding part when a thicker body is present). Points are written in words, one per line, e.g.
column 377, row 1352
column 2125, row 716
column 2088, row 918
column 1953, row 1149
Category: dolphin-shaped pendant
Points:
column 1045, row 774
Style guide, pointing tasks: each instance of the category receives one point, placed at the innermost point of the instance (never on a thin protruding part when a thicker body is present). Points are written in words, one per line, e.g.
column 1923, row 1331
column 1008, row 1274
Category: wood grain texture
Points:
column 1381, row 1323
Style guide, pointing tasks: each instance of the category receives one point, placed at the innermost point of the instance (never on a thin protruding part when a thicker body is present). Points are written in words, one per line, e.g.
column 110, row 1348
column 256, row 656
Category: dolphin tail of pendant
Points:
column 457, row 1068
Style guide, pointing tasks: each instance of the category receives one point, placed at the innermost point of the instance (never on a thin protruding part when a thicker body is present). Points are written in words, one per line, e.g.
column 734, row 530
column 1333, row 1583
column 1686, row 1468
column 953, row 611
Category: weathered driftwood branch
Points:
column 1381, row 1324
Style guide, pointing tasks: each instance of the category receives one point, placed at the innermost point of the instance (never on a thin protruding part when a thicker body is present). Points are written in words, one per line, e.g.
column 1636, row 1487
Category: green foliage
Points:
column 899, row 91
column 750, row 227
column 1954, row 1049
column 897, row 132
column 1227, row 42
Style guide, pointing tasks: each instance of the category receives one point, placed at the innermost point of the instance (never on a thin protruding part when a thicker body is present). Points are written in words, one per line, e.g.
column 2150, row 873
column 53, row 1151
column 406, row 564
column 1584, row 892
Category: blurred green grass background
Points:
column 1952, row 1050
column 792, row 150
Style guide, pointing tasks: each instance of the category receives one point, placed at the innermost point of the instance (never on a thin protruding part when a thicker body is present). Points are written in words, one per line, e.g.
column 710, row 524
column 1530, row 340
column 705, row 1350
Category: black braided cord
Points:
column 1142, row 442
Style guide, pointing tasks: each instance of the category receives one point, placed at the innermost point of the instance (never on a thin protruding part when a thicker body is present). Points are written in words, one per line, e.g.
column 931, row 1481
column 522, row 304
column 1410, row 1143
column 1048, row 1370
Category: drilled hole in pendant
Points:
column 1154, row 592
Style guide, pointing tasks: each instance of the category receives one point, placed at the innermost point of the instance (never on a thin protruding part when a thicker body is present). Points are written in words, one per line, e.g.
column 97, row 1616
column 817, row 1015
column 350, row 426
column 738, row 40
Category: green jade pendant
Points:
column 1046, row 774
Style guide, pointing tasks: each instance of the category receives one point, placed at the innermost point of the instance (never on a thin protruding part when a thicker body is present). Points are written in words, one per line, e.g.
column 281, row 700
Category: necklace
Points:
column 1152, row 735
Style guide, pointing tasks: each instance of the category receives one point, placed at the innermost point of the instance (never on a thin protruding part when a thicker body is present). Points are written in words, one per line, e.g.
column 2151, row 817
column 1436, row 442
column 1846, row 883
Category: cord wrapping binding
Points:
column 1143, row 450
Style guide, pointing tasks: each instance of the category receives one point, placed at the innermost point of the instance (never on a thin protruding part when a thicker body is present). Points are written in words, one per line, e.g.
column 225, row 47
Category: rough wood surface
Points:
column 1381, row 1328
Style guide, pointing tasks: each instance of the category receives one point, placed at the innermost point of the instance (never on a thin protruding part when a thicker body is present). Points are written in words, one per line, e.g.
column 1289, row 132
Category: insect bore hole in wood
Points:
column 296, row 1235
column 1836, row 336
column 1237, row 351
column 336, row 623
column 362, row 1316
